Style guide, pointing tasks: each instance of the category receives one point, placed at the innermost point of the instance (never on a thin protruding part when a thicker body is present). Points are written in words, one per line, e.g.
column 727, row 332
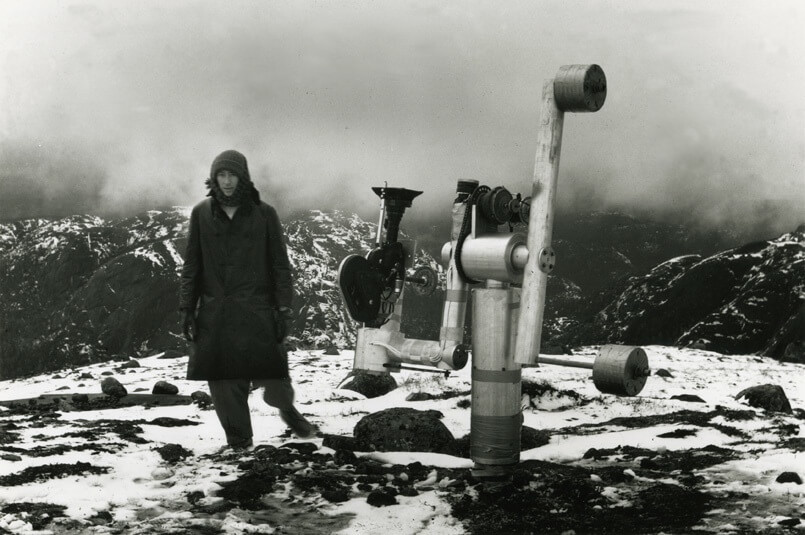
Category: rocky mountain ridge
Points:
column 86, row 289
column 747, row 299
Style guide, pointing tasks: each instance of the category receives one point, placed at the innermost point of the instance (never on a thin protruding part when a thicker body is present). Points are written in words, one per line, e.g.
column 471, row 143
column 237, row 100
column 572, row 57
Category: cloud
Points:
column 703, row 117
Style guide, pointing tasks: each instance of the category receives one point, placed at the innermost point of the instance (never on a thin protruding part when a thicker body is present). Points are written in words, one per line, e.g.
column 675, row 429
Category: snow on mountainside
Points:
column 743, row 300
column 85, row 289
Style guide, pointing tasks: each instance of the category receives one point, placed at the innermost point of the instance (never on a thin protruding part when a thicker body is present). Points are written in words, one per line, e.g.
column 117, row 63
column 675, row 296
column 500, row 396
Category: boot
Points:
column 298, row 423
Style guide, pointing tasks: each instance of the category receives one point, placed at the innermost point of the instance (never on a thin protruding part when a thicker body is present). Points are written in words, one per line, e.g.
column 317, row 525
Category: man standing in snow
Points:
column 236, row 293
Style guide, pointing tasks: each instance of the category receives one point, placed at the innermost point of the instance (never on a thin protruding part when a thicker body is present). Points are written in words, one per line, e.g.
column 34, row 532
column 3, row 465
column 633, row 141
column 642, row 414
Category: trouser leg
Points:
column 230, row 397
column 278, row 393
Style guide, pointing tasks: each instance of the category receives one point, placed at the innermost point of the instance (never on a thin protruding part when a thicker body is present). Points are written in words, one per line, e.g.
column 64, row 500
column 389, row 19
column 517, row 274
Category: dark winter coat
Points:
column 236, row 273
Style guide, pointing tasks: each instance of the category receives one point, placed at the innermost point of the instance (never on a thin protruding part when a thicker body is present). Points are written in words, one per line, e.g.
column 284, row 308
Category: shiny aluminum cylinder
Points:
column 454, row 311
column 434, row 353
column 496, row 420
column 491, row 256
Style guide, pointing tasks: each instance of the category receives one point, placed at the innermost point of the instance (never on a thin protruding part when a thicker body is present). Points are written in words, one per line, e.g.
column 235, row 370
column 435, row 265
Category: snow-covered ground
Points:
column 142, row 493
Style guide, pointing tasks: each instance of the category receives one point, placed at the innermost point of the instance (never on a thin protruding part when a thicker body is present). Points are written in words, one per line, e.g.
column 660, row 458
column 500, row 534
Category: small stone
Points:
column 112, row 387
column 419, row 396
column 164, row 387
column 692, row 398
column 381, row 497
column 86, row 375
column 173, row 453
column 161, row 473
column 342, row 457
column 202, row 399
column 789, row 522
column 130, row 364
column 407, row 490
column 335, row 496
column 107, row 372
column 332, row 350
column 171, row 354
column 789, row 477
column 10, row 457
column 63, row 388
column 662, row 372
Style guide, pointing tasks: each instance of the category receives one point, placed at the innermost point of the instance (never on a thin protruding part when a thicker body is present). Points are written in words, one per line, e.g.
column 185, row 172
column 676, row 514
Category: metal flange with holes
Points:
column 546, row 260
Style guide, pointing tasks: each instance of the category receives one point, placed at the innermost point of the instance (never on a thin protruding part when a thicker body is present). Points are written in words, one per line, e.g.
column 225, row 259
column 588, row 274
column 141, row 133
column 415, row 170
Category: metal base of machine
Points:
column 492, row 471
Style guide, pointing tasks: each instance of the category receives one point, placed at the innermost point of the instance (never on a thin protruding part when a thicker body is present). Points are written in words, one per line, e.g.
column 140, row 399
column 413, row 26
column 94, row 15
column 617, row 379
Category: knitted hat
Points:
column 232, row 161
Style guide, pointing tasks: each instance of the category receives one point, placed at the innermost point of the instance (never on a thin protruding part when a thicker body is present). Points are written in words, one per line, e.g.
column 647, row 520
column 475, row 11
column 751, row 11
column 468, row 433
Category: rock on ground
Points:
column 769, row 397
column 404, row 429
column 112, row 387
column 369, row 385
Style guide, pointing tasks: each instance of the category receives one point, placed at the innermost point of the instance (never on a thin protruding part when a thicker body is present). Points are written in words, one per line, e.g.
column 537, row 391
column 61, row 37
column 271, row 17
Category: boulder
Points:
column 768, row 397
column 112, row 387
column 403, row 429
column 164, row 387
column 369, row 385
column 789, row 477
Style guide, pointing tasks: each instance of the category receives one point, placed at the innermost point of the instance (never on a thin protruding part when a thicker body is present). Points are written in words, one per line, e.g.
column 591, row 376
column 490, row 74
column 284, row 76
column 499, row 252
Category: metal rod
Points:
column 415, row 369
column 563, row 362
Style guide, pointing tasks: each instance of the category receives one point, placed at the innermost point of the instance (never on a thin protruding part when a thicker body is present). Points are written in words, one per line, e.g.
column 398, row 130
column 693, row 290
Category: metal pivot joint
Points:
column 547, row 259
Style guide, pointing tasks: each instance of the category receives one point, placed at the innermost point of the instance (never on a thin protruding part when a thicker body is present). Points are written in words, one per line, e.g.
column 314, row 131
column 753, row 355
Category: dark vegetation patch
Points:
column 90, row 402
column 665, row 462
column 795, row 443
column 679, row 433
column 60, row 449
column 538, row 389
column 38, row 514
column 700, row 419
column 51, row 471
column 128, row 430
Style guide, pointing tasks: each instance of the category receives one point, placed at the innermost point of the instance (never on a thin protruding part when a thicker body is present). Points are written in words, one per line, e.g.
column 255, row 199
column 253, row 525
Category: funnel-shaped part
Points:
column 396, row 201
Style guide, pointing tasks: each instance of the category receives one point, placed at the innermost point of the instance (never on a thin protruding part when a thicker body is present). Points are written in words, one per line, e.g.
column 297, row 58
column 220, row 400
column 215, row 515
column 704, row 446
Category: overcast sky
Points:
column 116, row 107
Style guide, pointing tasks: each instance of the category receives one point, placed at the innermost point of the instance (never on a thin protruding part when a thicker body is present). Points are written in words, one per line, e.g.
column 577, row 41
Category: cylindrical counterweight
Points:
column 580, row 88
column 496, row 420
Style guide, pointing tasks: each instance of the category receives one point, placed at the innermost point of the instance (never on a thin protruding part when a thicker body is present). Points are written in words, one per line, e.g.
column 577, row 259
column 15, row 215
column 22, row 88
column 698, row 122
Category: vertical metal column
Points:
column 455, row 299
column 496, row 419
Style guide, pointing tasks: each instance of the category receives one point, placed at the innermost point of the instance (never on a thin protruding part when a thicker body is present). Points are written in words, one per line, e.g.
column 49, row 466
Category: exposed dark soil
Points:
column 550, row 498
column 51, row 471
column 66, row 401
column 701, row 419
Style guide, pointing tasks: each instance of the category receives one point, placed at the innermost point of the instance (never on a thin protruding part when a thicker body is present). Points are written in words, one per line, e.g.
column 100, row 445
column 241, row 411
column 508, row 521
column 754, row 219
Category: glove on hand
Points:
column 189, row 327
column 284, row 319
